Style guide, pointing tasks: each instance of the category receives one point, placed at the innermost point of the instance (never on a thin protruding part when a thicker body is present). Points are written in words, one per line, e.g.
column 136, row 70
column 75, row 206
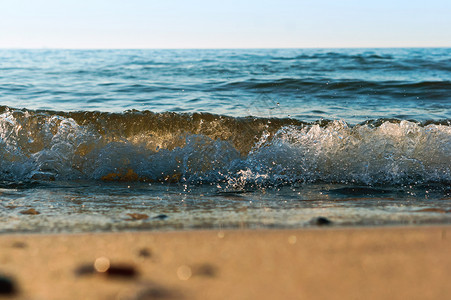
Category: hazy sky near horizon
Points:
column 224, row 24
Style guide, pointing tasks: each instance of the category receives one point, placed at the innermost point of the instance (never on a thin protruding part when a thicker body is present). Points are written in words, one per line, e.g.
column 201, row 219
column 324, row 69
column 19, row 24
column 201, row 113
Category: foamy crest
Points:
column 389, row 153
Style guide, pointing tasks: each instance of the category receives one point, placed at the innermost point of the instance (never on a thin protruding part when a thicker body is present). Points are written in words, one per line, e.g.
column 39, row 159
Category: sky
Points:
column 132, row 24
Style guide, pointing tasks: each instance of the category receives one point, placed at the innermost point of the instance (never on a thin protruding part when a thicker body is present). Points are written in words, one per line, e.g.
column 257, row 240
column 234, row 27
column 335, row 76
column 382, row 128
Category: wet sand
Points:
column 323, row 263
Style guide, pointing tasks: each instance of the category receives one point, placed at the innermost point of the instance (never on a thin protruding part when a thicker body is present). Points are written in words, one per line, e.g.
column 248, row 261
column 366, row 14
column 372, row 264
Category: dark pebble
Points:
column 30, row 211
column 7, row 286
column 161, row 217
column 115, row 270
column 19, row 245
column 144, row 252
column 127, row 271
column 206, row 270
column 321, row 221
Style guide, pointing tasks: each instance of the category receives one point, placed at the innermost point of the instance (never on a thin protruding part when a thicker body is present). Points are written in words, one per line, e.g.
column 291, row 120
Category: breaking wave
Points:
column 202, row 148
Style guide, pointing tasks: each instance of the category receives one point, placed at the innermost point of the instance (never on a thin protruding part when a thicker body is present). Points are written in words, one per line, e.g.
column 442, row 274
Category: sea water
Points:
column 105, row 140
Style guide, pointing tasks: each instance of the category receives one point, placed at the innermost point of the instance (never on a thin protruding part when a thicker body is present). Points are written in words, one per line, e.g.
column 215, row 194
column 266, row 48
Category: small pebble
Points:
column 205, row 270
column 144, row 252
column 161, row 217
column 19, row 245
column 122, row 270
column 7, row 286
column 30, row 211
column 135, row 216
column 321, row 221
column 103, row 266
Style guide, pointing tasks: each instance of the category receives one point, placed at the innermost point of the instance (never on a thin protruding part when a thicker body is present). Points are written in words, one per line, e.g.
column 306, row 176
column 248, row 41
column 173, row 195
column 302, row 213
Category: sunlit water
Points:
column 223, row 138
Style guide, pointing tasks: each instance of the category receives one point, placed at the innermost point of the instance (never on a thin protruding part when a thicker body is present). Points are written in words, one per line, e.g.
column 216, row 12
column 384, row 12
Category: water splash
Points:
column 230, row 152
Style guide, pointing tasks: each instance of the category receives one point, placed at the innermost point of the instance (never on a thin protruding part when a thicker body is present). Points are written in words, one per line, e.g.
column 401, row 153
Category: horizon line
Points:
column 224, row 48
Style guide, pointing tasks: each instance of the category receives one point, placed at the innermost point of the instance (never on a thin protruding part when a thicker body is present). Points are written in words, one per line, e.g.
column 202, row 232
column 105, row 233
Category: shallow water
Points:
column 87, row 206
column 223, row 138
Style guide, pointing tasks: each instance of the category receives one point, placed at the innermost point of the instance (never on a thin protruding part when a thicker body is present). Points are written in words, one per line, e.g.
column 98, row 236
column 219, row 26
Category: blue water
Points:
column 306, row 84
column 224, row 138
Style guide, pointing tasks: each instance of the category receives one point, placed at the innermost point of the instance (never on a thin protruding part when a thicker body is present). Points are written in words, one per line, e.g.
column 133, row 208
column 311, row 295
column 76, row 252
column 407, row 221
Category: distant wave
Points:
column 339, row 84
column 335, row 55
column 433, row 89
column 359, row 60
column 213, row 149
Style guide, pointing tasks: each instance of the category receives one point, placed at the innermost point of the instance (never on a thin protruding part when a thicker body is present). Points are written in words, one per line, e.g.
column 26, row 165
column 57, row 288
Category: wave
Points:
column 336, row 55
column 202, row 148
column 434, row 89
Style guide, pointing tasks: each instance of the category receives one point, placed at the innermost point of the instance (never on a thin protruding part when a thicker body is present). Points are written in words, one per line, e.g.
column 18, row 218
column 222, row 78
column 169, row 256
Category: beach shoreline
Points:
column 338, row 263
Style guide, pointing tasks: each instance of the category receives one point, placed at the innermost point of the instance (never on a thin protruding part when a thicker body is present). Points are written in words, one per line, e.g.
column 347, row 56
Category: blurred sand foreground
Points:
column 363, row 263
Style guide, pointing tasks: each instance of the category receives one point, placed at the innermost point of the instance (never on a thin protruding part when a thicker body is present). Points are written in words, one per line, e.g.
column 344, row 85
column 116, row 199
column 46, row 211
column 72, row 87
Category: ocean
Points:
column 111, row 140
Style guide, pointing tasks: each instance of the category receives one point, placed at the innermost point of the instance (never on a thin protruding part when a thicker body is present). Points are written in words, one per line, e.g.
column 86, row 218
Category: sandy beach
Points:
column 324, row 263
